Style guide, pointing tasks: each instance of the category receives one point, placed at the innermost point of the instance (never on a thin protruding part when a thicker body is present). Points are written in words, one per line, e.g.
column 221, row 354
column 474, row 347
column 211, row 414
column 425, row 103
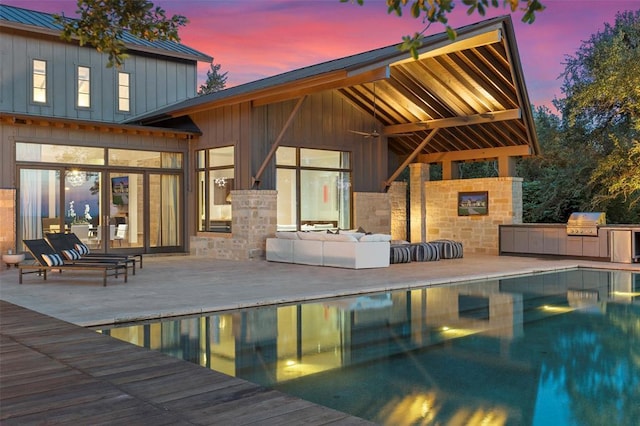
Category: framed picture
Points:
column 473, row 203
column 120, row 190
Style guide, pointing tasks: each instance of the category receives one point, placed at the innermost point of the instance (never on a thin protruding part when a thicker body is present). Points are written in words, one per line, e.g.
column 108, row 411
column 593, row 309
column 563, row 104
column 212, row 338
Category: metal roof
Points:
column 41, row 22
column 471, row 91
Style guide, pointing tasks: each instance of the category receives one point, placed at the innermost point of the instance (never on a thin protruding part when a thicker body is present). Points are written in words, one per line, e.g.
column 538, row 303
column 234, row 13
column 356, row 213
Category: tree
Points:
column 435, row 11
column 602, row 95
column 591, row 156
column 102, row 24
column 215, row 81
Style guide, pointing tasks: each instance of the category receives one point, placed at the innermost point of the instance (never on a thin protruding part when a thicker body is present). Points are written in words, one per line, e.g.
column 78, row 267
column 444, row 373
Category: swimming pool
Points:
column 553, row 348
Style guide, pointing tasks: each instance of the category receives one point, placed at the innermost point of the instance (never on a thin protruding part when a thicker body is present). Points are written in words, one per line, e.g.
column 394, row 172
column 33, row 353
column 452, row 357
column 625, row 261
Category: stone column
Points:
column 398, row 198
column 419, row 173
column 372, row 212
column 254, row 218
column 8, row 229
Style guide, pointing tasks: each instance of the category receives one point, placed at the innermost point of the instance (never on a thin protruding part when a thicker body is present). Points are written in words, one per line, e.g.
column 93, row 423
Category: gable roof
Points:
column 467, row 96
column 44, row 23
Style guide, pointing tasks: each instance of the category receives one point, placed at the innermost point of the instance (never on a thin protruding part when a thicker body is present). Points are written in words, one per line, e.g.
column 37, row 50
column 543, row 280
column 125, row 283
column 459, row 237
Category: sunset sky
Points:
column 253, row 39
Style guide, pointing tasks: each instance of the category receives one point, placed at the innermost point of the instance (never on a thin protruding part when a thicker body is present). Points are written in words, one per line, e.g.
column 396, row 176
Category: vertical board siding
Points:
column 155, row 81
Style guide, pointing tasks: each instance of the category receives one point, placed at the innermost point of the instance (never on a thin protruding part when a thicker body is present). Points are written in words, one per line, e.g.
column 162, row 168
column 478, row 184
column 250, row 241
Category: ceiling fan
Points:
column 374, row 133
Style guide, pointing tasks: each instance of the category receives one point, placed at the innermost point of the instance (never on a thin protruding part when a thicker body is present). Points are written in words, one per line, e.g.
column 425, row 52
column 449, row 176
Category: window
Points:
column 215, row 182
column 314, row 189
column 39, row 92
column 84, row 87
column 124, row 90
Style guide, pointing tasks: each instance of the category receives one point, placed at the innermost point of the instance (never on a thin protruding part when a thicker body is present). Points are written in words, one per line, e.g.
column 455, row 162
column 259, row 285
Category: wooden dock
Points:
column 54, row 372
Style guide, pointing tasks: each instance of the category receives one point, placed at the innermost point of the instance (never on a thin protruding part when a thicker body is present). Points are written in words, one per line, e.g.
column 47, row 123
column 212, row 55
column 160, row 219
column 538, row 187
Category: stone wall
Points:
column 398, row 198
column 372, row 212
column 418, row 174
column 253, row 220
column 479, row 234
column 8, row 220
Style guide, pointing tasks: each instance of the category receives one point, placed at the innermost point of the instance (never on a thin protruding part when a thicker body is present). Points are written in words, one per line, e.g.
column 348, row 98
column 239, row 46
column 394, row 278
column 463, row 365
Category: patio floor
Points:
column 182, row 285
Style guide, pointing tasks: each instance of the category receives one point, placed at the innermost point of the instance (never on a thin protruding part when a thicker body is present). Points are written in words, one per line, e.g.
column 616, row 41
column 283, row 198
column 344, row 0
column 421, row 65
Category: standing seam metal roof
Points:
column 46, row 21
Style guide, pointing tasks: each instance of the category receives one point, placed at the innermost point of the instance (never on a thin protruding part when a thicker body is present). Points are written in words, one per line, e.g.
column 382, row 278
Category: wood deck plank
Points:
column 53, row 372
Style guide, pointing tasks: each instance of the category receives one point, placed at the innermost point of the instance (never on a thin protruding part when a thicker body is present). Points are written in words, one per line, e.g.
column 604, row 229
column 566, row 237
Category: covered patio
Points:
column 460, row 101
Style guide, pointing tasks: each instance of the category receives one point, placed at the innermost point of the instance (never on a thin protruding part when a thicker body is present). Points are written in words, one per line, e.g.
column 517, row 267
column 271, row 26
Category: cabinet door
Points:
column 551, row 241
column 591, row 247
column 506, row 240
column 574, row 246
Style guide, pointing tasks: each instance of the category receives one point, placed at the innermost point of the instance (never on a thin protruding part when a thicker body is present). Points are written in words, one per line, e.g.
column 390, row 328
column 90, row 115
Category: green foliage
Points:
column 436, row 11
column 102, row 24
column 215, row 81
column 591, row 157
column 602, row 96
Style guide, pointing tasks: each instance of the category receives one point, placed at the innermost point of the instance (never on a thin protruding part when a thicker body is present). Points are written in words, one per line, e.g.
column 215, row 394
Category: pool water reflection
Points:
column 555, row 348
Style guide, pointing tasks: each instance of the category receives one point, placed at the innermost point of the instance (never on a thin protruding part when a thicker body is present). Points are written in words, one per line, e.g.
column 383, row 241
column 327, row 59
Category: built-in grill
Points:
column 585, row 224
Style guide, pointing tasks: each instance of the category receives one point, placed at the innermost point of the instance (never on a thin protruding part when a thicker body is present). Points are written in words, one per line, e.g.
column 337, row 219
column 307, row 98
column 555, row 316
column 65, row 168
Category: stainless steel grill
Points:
column 585, row 224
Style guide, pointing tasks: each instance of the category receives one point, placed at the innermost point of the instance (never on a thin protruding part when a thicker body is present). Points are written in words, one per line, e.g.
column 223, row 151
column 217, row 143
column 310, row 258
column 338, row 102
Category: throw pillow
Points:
column 82, row 249
column 287, row 235
column 71, row 254
column 53, row 259
column 375, row 238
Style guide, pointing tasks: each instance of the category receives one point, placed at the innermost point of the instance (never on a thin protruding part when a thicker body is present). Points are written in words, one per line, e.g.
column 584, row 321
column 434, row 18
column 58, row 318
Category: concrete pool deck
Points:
column 184, row 285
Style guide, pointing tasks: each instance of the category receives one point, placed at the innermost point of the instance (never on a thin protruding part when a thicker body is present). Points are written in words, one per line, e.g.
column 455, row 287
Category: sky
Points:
column 253, row 39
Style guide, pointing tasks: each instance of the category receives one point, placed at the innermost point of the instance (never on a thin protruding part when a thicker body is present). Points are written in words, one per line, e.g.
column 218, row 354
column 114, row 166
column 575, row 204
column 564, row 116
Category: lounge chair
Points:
column 62, row 244
column 72, row 242
column 47, row 259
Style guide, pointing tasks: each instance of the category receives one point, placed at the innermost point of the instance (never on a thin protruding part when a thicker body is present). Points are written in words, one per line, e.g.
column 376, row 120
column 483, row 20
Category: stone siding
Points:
column 398, row 198
column 253, row 220
column 372, row 212
column 418, row 174
column 478, row 234
column 8, row 220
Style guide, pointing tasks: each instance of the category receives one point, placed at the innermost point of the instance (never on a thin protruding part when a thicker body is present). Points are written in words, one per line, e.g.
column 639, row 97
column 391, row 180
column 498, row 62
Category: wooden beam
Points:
column 409, row 159
column 276, row 143
column 461, row 43
column 440, row 123
column 301, row 90
column 476, row 154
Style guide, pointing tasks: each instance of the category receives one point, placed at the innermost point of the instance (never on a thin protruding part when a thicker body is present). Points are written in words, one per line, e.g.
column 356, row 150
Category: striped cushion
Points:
column 53, row 259
column 71, row 254
column 82, row 249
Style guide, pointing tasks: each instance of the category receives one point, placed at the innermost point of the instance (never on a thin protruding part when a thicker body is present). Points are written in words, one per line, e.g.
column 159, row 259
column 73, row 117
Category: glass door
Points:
column 165, row 223
column 125, row 221
column 82, row 205
column 39, row 202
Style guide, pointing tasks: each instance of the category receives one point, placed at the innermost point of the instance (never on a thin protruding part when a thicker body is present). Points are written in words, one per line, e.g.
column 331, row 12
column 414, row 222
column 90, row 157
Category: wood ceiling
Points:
column 469, row 95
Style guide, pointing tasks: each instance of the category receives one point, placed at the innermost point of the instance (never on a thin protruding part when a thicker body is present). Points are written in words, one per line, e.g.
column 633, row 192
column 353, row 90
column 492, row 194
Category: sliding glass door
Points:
column 125, row 219
column 112, row 199
column 39, row 202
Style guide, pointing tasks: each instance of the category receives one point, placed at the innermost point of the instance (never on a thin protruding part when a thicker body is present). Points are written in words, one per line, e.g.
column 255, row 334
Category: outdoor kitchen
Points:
column 585, row 235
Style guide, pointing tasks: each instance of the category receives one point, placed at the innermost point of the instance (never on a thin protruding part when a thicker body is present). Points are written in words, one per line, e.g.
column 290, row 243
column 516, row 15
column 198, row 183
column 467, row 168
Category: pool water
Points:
column 545, row 349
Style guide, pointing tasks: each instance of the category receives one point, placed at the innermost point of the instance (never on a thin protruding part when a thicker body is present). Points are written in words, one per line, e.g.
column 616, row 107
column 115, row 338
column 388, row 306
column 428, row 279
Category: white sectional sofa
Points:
column 344, row 250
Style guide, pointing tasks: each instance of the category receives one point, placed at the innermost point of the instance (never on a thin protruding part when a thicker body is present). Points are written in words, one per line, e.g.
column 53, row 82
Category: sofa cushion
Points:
column 286, row 235
column 315, row 236
column 375, row 237
column 339, row 237
column 356, row 235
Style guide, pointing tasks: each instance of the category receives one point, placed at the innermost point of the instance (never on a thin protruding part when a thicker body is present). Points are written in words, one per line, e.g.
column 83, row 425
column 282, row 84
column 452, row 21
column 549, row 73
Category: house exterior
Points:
column 64, row 149
column 316, row 148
